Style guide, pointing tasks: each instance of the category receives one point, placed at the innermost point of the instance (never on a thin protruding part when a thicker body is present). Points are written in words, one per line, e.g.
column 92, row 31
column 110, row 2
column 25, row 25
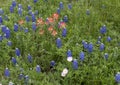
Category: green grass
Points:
column 95, row 70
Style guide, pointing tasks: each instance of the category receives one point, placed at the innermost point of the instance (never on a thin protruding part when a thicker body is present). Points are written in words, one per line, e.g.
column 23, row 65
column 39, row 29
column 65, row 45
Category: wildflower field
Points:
column 59, row 42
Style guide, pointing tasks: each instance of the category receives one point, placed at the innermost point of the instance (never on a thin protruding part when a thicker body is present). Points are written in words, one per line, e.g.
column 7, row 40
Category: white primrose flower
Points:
column 69, row 59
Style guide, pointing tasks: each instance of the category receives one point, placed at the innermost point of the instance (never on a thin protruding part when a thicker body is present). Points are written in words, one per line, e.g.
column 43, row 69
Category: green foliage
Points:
column 94, row 70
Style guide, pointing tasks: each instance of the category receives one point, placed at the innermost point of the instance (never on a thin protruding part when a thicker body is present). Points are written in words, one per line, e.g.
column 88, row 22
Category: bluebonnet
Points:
column 20, row 6
column 6, row 17
column 29, row 7
column 64, row 32
column 3, row 28
column 34, row 26
column 30, row 12
column 106, row 56
column 36, row 12
column 109, row 39
column 58, row 42
column 20, row 11
column 14, row 61
column 117, row 77
column 69, row 53
column 99, row 38
column 26, row 79
column 82, row 55
column 1, row 20
column 52, row 63
column 15, row 27
column 21, row 76
column 61, row 5
column 69, row 6
column 27, row 18
column 102, row 47
column 11, row 9
column 26, row 30
column 7, row 72
column 75, row 64
column 58, row 10
column 88, row 12
column 90, row 47
column 1, row 11
column 1, row 38
column 35, row 1
column 85, row 45
column 98, row 42
column 17, row 52
column 103, row 29
column 29, row 58
column 33, row 18
column 65, row 19
column 14, row 3
column 9, row 43
column 38, row 69
column 7, row 33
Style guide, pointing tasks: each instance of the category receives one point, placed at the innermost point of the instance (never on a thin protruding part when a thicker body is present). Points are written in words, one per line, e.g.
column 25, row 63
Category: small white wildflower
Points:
column 69, row 59
column 0, row 84
column 63, row 74
column 65, row 70
column 10, row 83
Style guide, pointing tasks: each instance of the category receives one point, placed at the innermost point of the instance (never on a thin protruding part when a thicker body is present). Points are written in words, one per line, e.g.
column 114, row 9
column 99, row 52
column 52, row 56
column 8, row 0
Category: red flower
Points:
column 62, row 25
column 40, row 21
column 55, row 16
column 21, row 22
column 54, row 32
column 50, row 29
column 41, row 32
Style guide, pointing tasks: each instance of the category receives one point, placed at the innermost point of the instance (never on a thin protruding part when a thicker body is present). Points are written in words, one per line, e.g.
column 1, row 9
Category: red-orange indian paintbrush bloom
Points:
column 54, row 32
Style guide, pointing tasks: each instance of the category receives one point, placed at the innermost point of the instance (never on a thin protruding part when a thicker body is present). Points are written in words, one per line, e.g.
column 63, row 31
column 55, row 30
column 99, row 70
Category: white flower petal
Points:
column 69, row 59
column 63, row 74
column 65, row 70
